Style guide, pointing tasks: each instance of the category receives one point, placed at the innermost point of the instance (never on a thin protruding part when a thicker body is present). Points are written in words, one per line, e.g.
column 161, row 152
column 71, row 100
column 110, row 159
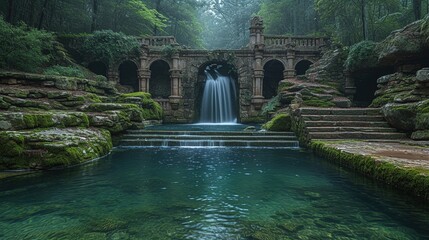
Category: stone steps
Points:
column 356, row 135
column 352, row 123
column 350, row 129
column 208, row 137
column 360, row 118
column 157, row 138
column 346, row 124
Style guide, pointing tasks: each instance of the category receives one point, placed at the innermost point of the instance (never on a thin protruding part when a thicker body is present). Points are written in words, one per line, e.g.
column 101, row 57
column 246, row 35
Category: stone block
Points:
column 423, row 75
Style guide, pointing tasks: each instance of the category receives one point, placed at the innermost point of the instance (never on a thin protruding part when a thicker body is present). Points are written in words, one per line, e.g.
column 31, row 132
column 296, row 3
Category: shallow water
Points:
column 219, row 193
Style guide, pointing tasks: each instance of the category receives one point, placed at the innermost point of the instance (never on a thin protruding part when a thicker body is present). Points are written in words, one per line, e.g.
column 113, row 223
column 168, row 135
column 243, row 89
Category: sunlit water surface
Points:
column 220, row 193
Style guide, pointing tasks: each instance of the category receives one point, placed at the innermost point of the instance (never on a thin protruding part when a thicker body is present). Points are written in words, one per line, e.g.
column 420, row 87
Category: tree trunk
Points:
column 94, row 15
column 363, row 17
column 417, row 9
column 42, row 14
column 157, row 8
column 9, row 11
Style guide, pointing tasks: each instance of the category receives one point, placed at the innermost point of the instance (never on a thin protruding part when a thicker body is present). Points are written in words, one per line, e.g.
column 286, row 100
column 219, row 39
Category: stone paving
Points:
column 411, row 154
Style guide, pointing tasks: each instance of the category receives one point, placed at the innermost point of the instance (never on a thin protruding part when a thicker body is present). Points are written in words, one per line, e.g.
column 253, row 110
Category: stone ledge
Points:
column 402, row 166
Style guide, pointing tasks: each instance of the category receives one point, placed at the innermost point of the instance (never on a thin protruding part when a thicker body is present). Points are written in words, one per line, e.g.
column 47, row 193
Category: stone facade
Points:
column 248, row 64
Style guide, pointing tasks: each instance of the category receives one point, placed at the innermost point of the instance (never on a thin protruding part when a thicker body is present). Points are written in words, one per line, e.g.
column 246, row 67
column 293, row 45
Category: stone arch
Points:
column 282, row 61
column 273, row 74
column 160, row 81
column 128, row 75
column 98, row 67
column 302, row 66
column 155, row 59
column 224, row 68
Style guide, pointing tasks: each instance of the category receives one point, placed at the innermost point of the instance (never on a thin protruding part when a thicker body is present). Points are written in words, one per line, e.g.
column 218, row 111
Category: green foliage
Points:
column 362, row 55
column 281, row 122
column 64, row 71
column 272, row 105
column 23, row 48
column 108, row 46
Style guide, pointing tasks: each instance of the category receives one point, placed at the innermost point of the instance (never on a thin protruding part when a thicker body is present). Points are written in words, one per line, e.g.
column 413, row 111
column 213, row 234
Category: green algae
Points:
column 409, row 180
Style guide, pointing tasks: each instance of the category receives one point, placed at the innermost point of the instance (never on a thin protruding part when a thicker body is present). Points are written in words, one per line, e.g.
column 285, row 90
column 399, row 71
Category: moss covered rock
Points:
column 44, row 149
column 281, row 122
column 150, row 108
column 363, row 55
column 30, row 120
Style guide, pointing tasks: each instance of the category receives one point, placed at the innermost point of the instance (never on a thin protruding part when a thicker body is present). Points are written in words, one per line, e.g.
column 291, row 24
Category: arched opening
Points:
column 160, row 82
column 366, row 84
column 302, row 66
column 273, row 74
column 98, row 68
column 128, row 75
column 216, row 93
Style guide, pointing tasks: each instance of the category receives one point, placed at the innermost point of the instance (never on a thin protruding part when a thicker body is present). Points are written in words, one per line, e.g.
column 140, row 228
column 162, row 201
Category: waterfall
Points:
column 219, row 98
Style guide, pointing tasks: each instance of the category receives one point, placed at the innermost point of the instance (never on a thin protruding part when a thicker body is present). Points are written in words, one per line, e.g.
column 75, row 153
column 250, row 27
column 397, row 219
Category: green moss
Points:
column 272, row 105
column 151, row 110
column 284, row 85
column 281, row 122
column 406, row 179
column 318, row 103
column 382, row 100
column 362, row 55
column 257, row 119
column 12, row 145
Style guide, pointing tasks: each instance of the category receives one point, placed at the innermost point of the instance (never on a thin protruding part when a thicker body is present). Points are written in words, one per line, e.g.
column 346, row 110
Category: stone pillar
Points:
column 113, row 76
column 256, row 33
column 144, row 77
column 258, row 77
column 289, row 72
column 349, row 86
column 144, row 72
column 176, row 79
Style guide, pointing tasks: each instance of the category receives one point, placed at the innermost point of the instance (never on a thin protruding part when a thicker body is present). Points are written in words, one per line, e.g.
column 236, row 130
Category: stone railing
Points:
column 282, row 41
column 165, row 103
column 158, row 41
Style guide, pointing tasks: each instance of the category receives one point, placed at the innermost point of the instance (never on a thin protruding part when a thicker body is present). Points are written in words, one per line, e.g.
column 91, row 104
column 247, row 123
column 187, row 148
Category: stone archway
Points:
column 302, row 66
column 128, row 76
column 273, row 74
column 160, row 81
column 98, row 68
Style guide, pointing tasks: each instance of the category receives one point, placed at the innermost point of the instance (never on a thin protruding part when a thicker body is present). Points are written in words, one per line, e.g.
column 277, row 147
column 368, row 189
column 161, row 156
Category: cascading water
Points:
column 219, row 97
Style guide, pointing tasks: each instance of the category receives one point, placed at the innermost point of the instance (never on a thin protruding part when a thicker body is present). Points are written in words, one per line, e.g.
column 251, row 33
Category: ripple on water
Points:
column 206, row 194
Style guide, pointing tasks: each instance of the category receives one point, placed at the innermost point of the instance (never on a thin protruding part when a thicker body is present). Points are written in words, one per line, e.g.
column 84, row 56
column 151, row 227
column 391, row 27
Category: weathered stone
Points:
column 55, row 147
column 420, row 135
column 401, row 116
column 423, row 75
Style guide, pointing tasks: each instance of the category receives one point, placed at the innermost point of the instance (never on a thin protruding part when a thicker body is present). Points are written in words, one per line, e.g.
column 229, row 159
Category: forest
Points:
column 218, row 24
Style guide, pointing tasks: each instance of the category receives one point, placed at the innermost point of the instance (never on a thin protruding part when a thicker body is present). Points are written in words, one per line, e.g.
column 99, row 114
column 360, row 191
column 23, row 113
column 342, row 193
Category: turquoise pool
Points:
column 197, row 193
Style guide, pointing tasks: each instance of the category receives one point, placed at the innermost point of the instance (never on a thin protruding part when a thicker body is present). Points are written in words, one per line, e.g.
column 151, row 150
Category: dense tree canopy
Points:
column 218, row 23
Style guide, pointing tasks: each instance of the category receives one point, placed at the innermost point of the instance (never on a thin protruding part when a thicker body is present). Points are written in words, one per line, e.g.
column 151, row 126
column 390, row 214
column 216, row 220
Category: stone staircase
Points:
column 159, row 138
column 347, row 123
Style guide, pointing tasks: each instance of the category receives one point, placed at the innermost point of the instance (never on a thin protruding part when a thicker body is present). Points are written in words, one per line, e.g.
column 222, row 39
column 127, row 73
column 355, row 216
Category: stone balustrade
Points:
column 281, row 41
column 158, row 41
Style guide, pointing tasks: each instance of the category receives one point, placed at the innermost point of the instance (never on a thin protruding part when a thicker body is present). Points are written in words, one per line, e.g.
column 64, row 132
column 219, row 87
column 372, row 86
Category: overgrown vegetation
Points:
column 23, row 48
column 362, row 55
column 271, row 106
column 108, row 46
column 281, row 122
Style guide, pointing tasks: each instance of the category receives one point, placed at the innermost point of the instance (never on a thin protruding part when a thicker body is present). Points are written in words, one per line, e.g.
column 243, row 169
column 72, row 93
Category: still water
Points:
column 218, row 193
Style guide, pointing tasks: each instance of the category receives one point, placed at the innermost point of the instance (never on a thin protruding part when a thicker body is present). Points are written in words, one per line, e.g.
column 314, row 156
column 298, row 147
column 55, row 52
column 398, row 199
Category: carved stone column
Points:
column 176, row 79
column 113, row 76
column 144, row 77
column 349, row 87
column 144, row 72
column 258, row 77
column 289, row 72
column 256, row 32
